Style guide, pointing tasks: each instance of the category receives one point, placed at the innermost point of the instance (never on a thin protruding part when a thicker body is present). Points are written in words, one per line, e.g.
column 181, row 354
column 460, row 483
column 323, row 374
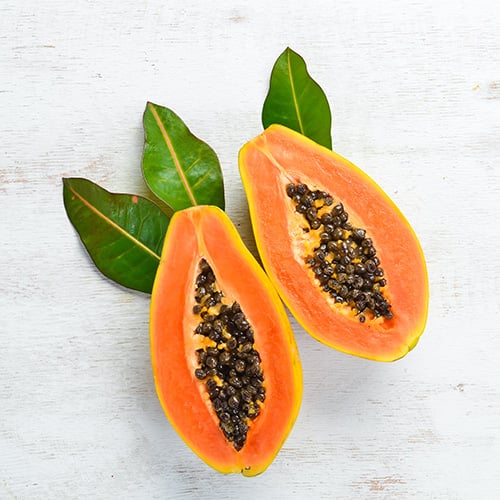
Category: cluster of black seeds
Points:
column 229, row 364
column 344, row 260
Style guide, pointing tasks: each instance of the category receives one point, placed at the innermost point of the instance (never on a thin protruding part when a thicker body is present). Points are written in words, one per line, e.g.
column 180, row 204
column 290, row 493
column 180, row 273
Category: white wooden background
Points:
column 415, row 92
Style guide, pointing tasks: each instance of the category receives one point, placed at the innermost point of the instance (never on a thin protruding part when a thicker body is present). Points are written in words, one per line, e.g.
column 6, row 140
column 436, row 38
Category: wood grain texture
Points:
column 415, row 94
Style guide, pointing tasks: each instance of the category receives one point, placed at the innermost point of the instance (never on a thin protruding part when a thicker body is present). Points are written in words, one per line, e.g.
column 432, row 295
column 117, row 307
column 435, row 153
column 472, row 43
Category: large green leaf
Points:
column 123, row 233
column 179, row 168
column 296, row 101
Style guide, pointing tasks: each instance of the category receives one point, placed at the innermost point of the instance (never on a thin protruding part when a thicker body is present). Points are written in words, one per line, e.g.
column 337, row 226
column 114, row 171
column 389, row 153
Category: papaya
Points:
column 225, row 363
column 342, row 256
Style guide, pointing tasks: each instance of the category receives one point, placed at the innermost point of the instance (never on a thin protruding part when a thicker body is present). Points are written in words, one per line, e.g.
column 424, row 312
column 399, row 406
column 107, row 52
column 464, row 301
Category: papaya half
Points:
column 225, row 362
column 341, row 254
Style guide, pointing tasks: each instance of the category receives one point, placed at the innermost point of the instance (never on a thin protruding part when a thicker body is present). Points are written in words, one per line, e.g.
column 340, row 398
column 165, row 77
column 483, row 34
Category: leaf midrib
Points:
column 294, row 95
column 113, row 224
column 175, row 158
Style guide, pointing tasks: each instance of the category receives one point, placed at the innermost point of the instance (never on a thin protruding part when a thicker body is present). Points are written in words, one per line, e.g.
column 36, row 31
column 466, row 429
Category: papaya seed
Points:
column 356, row 267
column 230, row 366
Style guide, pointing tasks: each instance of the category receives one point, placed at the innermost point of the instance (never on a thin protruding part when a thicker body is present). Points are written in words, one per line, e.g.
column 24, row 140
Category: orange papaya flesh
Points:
column 280, row 158
column 205, row 235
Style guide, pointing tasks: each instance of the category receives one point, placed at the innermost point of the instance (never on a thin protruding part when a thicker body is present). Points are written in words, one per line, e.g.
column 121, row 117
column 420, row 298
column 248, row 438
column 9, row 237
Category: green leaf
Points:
column 123, row 233
column 296, row 101
column 179, row 168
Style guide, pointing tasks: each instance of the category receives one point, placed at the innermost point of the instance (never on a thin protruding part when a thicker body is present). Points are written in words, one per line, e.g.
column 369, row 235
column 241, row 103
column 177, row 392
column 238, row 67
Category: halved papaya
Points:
column 225, row 362
column 343, row 257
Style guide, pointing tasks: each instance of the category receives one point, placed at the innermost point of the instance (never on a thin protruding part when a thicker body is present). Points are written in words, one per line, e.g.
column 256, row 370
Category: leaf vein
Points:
column 294, row 95
column 195, row 162
column 201, row 179
column 175, row 158
column 113, row 224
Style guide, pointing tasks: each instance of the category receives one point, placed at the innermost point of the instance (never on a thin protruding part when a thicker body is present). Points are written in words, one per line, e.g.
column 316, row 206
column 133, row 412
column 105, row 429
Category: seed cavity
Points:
column 228, row 362
column 343, row 259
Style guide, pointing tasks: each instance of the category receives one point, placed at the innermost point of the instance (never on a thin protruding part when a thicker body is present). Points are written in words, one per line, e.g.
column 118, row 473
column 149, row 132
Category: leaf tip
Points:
column 66, row 181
